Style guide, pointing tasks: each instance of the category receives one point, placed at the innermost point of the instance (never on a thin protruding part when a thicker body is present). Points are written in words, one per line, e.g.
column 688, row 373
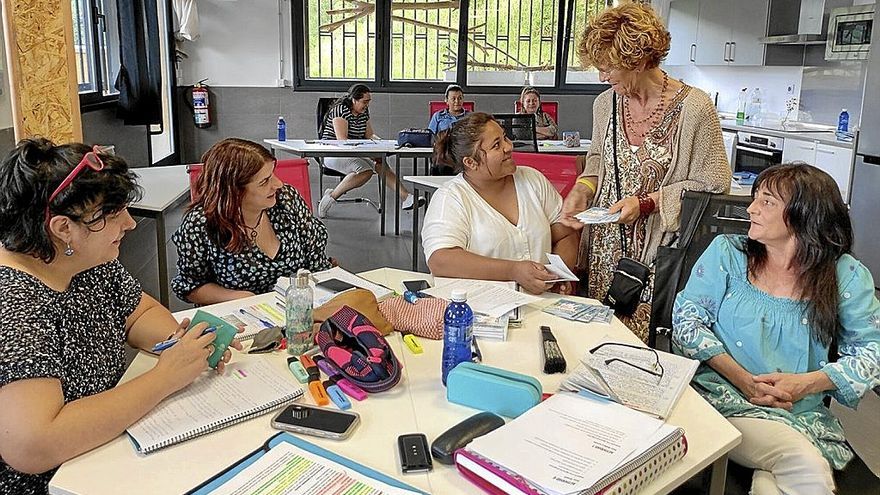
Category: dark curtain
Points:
column 140, row 79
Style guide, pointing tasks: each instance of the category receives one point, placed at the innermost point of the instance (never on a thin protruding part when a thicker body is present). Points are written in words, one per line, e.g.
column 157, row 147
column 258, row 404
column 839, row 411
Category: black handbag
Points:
column 631, row 275
column 668, row 270
column 415, row 138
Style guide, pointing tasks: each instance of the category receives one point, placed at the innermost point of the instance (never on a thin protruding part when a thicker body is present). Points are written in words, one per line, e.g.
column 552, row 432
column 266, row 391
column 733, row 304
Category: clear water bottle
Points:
column 754, row 110
column 282, row 129
column 298, row 328
column 843, row 122
column 741, row 106
column 458, row 332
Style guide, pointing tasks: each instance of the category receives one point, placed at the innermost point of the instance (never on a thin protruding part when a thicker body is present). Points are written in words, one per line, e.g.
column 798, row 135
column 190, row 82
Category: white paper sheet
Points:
column 322, row 295
column 558, row 268
column 488, row 297
column 289, row 470
column 587, row 440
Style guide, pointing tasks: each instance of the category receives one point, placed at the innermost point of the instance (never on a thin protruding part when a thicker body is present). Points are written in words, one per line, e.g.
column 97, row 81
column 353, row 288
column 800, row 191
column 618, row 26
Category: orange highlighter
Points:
column 315, row 388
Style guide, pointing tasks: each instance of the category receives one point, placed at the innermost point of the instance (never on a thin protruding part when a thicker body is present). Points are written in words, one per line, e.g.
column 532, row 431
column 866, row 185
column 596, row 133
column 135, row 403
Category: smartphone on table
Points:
column 317, row 421
column 416, row 285
column 334, row 285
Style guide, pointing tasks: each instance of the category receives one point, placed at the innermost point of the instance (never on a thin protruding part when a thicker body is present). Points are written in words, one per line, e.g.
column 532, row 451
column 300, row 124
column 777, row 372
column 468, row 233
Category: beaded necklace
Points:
column 631, row 123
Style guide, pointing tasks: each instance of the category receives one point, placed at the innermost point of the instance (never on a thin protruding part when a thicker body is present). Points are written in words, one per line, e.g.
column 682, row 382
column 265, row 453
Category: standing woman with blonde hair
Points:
column 668, row 140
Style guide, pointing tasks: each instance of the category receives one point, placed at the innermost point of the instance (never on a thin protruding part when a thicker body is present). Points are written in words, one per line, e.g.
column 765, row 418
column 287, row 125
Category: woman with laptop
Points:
column 68, row 309
column 245, row 229
column 494, row 220
column 530, row 103
column 763, row 314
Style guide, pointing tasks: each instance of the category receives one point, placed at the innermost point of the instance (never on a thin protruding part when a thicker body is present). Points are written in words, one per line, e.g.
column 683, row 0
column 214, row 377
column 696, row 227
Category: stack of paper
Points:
column 323, row 295
column 490, row 298
column 582, row 312
column 489, row 327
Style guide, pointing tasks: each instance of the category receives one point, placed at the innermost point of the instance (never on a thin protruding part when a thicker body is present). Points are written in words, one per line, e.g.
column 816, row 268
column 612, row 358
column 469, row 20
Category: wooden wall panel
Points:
column 42, row 70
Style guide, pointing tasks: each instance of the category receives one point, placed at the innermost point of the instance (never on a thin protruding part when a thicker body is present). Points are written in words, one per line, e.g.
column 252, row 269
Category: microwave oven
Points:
column 849, row 33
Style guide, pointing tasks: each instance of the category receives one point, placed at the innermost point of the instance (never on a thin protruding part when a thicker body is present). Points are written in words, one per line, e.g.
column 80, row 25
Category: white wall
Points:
column 240, row 44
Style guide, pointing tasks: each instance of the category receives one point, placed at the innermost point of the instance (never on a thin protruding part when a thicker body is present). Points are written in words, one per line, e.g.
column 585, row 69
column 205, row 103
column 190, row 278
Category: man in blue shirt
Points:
column 443, row 119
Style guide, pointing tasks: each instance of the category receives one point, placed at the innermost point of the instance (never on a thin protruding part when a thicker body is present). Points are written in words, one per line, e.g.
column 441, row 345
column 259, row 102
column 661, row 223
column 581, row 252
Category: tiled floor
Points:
column 355, row 242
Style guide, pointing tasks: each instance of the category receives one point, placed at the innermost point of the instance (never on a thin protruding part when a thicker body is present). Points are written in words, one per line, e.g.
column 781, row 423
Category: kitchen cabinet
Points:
column 835, row 160
column 711, row 32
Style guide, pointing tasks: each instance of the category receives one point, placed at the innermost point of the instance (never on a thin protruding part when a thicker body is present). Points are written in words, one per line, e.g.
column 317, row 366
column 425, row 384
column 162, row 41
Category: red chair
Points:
column 436, row 106
column 560, row 170
column 551, row 108
column 293, row 171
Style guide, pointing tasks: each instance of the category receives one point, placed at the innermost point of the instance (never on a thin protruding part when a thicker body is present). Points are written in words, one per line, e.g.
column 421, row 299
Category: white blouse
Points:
column 459, row 217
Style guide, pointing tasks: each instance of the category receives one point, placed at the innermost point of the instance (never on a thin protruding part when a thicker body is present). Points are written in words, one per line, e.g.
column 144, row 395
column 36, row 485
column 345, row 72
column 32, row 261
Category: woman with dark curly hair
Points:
column 245, row 229
column 668, row 141
column 68, row 309
column 762, row 313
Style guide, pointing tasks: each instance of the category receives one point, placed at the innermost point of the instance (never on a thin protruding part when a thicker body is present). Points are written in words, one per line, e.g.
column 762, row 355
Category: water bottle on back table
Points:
column 458, row 332
column 282, row 129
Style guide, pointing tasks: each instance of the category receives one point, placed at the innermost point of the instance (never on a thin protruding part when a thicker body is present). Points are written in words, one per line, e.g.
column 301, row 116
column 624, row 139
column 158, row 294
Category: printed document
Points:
column 587, row 439
column 484, row 296
column 611, row 371
column 322, row 295
column 289, row 470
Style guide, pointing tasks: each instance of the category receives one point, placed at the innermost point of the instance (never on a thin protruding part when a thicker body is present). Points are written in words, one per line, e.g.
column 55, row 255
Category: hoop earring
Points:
column 68, row 251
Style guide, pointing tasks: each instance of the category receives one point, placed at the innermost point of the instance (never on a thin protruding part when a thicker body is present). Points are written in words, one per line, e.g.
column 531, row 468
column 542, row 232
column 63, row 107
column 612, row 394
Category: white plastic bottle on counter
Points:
column 753, row 113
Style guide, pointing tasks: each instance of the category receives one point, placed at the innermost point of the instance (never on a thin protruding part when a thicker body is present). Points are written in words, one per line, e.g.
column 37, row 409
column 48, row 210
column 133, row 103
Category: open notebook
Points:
column 212, row 402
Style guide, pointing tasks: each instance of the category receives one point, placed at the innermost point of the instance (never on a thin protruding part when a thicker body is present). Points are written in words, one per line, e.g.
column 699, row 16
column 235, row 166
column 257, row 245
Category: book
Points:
column 322, row 294
column 213, row 402
column 636, row 376
column 292, row 459
column 592, row 446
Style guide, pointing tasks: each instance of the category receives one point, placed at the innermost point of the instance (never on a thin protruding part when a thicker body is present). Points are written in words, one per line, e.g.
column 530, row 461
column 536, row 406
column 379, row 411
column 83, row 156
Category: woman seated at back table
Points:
column 349, row 118
column 494, row 220
column 443, row 119
column 245, row 229
column 761, row 312
column 530, row 103
column 68, row 308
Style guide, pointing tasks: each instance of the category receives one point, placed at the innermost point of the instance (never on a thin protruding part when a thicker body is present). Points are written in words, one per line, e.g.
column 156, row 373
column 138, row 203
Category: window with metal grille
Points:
column 96, row 49
column 422, row 45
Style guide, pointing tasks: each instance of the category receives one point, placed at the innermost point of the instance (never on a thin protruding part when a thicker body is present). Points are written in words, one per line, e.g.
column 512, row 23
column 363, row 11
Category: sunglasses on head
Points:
column 91, row 160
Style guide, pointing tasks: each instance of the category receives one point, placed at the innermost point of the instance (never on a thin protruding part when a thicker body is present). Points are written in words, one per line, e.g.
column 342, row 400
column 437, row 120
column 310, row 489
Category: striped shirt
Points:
column 357, row 124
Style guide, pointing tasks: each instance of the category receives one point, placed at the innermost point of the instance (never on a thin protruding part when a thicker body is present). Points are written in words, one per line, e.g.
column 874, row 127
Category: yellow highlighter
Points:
column 412, row 343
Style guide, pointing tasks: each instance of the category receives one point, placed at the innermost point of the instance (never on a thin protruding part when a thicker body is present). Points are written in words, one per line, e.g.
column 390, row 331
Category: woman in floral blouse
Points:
column 762, row 312
column 245, row 230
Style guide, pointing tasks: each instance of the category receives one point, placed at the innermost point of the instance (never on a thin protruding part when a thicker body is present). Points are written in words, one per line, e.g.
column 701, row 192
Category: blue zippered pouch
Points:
column 492, row 389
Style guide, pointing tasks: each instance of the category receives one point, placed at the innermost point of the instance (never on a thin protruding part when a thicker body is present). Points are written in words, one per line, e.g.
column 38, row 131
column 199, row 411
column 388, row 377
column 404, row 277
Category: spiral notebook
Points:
column 212, row 402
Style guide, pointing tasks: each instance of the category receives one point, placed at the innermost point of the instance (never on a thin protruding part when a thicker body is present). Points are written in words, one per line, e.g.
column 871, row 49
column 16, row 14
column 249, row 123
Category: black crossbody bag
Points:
column 631, row 275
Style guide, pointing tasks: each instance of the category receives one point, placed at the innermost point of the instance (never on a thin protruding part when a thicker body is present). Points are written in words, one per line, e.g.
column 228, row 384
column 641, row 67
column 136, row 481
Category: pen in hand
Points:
column 165, row 344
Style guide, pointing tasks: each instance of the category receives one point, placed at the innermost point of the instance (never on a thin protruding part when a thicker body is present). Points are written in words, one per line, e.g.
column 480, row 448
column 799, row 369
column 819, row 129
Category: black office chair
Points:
column 723, row 214
column 519, row 128
column 323, row 107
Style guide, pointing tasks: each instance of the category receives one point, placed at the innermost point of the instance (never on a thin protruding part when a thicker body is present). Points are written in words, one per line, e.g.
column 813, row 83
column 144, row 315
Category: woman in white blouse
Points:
column 494, row 220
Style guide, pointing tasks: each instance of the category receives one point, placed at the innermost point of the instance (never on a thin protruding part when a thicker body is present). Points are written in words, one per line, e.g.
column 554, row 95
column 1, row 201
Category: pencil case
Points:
column 492, row 389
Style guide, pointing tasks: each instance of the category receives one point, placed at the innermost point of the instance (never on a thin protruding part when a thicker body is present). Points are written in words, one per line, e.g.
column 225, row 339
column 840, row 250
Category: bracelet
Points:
column 586, row 182
column 646, row 205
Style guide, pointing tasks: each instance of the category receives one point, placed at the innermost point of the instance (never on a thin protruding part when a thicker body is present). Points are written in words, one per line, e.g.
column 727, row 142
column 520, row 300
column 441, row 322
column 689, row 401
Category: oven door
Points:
column 755, row 159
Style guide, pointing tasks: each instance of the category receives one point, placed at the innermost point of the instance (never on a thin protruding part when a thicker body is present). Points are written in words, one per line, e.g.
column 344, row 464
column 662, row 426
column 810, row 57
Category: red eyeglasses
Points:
column 91, row 160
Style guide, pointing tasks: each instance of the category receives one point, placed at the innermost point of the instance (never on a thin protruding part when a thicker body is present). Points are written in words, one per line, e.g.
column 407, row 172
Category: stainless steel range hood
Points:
column 799, row 22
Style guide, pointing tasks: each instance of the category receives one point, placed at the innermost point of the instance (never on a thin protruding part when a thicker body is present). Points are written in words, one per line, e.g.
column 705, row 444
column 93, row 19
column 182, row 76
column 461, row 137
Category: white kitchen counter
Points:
column 822, row 137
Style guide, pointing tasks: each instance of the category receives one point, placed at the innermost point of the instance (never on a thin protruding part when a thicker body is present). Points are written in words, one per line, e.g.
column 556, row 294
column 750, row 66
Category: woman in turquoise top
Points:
column 761, row 312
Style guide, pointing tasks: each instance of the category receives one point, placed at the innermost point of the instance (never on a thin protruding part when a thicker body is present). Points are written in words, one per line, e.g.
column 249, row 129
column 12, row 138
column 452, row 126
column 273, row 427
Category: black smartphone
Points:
column 318, row 421
column 416, row 285
column 415, row 454
column 334, row 285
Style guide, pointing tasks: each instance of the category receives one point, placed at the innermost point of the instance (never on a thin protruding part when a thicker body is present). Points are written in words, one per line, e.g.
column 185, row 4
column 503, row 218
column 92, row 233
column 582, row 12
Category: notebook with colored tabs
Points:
column 292, row 458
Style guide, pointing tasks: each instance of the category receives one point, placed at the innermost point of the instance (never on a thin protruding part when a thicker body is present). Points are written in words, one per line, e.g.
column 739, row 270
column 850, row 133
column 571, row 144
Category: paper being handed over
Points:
column 587, row 439
column 558, row 267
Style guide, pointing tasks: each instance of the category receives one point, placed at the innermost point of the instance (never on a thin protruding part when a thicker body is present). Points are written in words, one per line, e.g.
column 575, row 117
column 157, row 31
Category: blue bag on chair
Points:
column 415, row 138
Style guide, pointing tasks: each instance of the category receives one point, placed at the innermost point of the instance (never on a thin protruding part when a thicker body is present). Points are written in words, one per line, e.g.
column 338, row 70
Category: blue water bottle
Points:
column 458, row 332
column 843, row 122
column 282, row 129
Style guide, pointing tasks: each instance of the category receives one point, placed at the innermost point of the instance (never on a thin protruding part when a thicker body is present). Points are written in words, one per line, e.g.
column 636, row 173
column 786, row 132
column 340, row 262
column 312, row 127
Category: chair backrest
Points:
column 293, row 171
column 551, row 108
column 436, row 106
column 323, row 107
column 519, row 128
column 724, row 214
column 560, row 170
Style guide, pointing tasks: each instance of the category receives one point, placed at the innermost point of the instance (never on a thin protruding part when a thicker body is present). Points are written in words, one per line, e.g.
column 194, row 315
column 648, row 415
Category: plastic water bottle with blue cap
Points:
column 282, row 129
column 458, row 332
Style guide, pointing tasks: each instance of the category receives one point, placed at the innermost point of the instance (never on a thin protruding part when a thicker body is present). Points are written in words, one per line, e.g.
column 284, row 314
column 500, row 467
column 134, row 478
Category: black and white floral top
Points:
column 76, row 336
column 200, row 260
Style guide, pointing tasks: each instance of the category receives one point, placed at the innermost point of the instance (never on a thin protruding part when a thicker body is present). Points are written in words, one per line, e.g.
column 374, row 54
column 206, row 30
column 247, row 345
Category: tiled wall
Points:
column 252, row 112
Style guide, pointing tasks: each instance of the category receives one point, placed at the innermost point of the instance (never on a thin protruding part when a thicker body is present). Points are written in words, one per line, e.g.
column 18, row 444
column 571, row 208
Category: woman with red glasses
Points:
column 68, row 308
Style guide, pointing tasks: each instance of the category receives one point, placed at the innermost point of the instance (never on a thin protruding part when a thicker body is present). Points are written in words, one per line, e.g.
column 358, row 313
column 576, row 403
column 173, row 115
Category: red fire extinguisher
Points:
column 201, row 105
